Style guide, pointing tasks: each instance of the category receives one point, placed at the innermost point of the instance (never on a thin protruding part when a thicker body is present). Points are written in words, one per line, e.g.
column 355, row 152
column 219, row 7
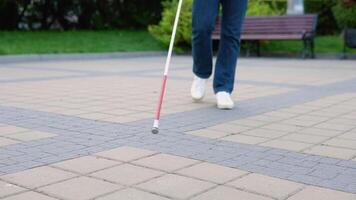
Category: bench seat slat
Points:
column 271, row 36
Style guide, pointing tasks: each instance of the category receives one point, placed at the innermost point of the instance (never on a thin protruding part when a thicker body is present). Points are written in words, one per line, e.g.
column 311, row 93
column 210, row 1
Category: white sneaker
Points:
column 198, row 88
column 224, row 101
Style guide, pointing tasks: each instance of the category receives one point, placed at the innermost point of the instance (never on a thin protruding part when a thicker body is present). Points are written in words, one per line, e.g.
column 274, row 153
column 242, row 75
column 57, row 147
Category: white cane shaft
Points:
column 171, row 45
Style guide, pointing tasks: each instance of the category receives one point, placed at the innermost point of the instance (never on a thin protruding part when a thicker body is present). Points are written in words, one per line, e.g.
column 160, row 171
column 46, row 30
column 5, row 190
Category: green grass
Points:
column 40, row 42
column 323, row 44
column 18, row 42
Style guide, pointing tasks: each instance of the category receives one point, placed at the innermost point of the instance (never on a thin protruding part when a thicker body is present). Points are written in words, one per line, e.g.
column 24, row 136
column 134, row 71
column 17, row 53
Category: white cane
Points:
column 155, row 128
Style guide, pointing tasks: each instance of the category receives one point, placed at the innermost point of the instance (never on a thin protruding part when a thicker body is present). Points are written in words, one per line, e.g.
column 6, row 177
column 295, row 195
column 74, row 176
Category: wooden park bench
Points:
column 291, row 27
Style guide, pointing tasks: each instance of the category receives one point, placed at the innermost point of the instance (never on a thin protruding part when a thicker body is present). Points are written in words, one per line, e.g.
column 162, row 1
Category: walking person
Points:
column 204, row 17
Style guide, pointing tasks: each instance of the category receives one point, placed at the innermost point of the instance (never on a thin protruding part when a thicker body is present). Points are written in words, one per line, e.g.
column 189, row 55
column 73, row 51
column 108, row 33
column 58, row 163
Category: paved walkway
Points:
column 77, row 130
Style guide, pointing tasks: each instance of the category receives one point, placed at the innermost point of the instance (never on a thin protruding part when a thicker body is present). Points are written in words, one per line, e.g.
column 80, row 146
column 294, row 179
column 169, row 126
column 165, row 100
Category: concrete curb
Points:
column 76, row 56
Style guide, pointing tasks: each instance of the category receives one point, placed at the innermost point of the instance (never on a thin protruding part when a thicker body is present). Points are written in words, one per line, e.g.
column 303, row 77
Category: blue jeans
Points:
column 204, row 18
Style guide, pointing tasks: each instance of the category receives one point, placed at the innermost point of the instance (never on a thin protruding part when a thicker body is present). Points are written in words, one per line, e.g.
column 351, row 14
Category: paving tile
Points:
column 333, row 152
column 246, row 139
column 282, row 127
column 30, row 196
column 165, row 162
column 132, row 194
column 348, row 135
column 176, row 186
column 5, row 142
column 81, row 188
column 266, row 185
column 230, row 128
column 265, row 133
column 313, row 193
column 249, row 122
column 38, row 177
column 345, row 143
column 31, row 135
column 127, row 174
column 213, row 134
column 227, row 193
column 320, row 132
column 212, row 172
column 288, row 145
column 125, row 153
column 335, row 126
column 310, row 139
column 86, row 164
column 6, row 130
column 8, row 189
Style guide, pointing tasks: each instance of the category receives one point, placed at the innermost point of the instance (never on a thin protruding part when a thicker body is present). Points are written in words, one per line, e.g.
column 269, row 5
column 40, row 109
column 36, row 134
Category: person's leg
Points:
column 232, row 19
column 204, row 15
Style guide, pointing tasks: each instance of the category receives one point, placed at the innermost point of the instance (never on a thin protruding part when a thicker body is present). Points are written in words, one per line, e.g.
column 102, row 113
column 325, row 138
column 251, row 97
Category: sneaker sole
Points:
column 225, row 107
column 198, row 99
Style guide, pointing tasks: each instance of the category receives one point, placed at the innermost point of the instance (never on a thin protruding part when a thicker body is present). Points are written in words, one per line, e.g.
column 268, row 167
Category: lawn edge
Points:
column 76, row 56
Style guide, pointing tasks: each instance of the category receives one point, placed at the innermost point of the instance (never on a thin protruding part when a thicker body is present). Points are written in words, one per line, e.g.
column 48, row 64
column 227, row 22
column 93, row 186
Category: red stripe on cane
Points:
column 161, row 96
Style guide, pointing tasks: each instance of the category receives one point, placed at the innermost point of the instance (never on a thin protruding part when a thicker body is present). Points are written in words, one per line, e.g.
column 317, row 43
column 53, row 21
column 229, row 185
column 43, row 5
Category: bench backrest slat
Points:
column 276, row 25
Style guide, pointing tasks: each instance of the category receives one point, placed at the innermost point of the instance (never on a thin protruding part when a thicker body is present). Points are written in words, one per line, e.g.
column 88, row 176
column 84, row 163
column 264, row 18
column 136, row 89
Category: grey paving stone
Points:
column 324, row 173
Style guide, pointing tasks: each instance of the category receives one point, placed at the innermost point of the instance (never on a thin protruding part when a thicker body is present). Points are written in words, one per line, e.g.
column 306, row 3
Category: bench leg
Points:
column 344, row 56
column 258, row 50
column 309, row 49
column 312, row 48
column 305, row 49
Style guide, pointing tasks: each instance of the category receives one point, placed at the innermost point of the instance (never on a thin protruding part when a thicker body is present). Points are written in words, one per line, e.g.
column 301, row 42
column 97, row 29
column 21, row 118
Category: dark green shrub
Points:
column 263, row 8
column 326, row 21
column 163, row 30
column 78, row 14
column 8, row 14
column 345, row 15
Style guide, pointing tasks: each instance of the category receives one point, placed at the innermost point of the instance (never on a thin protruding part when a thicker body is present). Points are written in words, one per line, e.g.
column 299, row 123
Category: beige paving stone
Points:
column 8, row 189
column 132, row 194
column 249, row 122
column 230, row 128
column 316, row 193
column 165, row 162
column 8, row 129
column 38, row 177
column 320, row 132
column 296, row 110
column 280, row 114
column 345, row 143
column 5, row 142
column 348, row 135
column 246, row 139
column 86, row 164
column 282, row 127
column 127, row 174
column 227, row 193
column 213, row 134
column 335, row 126
column 176, row 186
column 288, row 145
column 265, row 133
column 266, row 185
column 31, row 135
column 333, row 152
column 30, row 196
column 212, row 172
column 301, row 122
column 125, row 153
column 310, row 139
column 81, row 188
column 343, row 121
